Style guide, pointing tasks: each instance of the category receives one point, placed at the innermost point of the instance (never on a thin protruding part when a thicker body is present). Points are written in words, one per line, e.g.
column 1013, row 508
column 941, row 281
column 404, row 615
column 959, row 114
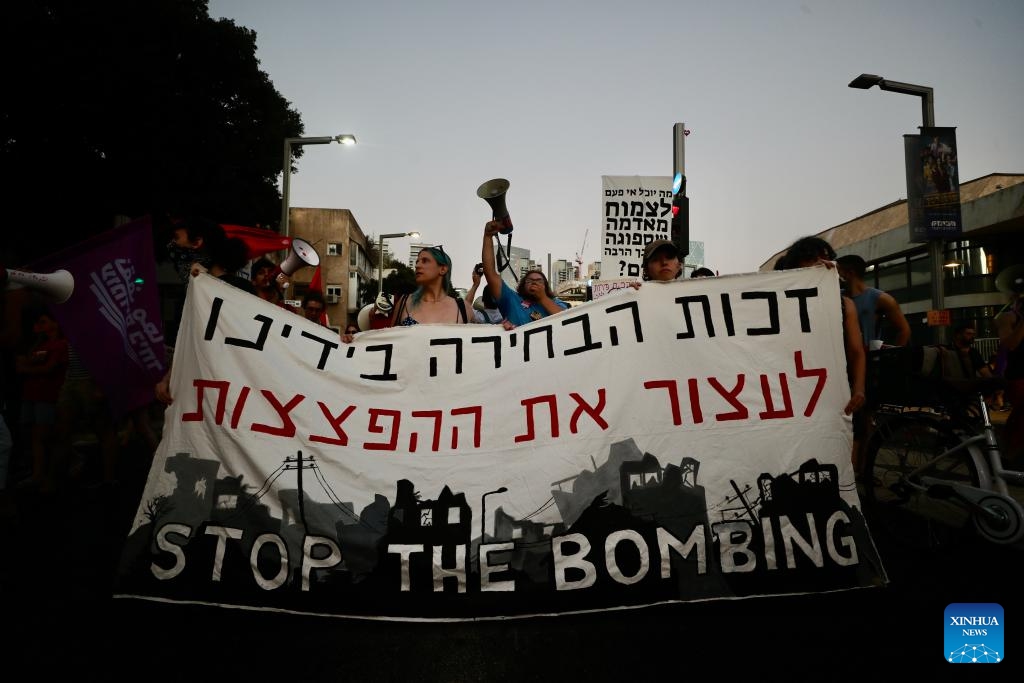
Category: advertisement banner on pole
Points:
column 933, row 187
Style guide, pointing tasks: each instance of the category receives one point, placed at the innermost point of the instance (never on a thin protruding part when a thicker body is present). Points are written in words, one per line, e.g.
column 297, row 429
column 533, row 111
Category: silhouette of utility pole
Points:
column 298, row 466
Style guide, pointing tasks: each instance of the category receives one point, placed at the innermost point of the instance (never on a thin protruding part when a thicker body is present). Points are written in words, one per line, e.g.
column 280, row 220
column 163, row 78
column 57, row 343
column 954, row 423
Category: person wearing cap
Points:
column 661, row 261
column 531, row 300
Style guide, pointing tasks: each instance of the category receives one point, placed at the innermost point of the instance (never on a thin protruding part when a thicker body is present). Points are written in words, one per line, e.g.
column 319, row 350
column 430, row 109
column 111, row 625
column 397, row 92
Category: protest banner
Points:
column 112, row 319
column 685, row 441
column 635, row 211
column 600, row 288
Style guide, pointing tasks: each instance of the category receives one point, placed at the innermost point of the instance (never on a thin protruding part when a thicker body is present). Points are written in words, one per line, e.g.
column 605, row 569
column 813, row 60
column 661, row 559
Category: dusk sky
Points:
column 552, row 95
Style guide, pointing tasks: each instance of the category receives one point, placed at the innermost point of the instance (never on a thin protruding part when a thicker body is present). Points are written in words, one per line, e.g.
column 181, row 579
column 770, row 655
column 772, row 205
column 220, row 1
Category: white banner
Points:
column 684, row 441
column 635, row 211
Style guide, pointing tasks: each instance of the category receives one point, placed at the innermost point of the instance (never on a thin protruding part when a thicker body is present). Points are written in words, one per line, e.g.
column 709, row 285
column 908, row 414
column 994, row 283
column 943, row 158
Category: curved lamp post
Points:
column 935, row 246
column 345, row 139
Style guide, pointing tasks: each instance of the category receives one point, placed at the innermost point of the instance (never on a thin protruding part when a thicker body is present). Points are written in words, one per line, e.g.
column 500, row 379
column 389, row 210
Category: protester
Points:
column 811, row 251
column 193, row 240
column 531, row 300
column 82, row 402
column 702, row 272
column 313, row 306
column 264, row 280
column 485, row 308
column 971, row 363
column 351, row 330
column 225, row 261
column 876, row 309
column 662, row 262
column 42, row 369
column 1010, row 328
column 433, row 301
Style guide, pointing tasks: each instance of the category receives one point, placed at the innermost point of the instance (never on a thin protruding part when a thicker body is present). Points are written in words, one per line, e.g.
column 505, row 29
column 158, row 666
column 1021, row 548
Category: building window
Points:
column 333, row 249
column 333, row 294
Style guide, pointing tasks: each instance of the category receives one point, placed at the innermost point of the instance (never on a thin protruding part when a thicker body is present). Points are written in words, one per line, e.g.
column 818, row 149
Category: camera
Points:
column 479, row 269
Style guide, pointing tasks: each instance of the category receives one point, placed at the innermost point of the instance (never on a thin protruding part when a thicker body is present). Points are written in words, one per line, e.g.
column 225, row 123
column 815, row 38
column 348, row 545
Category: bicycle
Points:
column 933, row 470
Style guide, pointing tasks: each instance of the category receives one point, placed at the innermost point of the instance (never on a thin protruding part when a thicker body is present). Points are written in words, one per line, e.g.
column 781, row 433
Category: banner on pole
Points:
column 933, row 186
column 685, row 441
column 635, row 211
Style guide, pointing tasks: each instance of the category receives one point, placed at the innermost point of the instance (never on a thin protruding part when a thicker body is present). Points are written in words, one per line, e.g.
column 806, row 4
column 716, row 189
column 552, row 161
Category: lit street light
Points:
column 935, row 245
column 344, row 139
column 483, row 507
column 380, row 255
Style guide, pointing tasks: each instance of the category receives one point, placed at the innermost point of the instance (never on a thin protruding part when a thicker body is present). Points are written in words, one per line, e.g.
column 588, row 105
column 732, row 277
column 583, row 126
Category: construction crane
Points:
column 579, row 255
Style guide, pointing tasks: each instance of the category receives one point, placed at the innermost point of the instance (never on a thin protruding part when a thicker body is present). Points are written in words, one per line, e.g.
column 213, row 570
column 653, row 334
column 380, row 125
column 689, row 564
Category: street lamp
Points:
column 345, row 139
column 483, row 507
column 935, row 246
column 380, row 255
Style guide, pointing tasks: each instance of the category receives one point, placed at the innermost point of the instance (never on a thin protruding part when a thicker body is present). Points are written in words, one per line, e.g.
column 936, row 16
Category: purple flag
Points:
column 113, row 316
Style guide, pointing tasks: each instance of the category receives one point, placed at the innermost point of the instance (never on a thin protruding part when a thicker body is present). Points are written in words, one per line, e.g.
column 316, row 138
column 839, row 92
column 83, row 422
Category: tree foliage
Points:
column 402, row 280
column 129, row 108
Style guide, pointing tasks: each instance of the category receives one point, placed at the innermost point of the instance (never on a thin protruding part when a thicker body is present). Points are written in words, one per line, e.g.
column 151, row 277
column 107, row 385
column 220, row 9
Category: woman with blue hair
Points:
column 432, row 302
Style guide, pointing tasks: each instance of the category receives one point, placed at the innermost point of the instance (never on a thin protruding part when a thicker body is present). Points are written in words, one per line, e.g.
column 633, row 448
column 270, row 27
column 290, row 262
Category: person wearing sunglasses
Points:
column 531, row 300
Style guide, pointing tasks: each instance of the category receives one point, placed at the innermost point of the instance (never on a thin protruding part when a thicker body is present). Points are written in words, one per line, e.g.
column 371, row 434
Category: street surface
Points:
column 61, row 621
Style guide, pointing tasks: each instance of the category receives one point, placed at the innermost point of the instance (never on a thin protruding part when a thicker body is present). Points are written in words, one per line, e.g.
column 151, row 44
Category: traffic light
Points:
column 680, row 233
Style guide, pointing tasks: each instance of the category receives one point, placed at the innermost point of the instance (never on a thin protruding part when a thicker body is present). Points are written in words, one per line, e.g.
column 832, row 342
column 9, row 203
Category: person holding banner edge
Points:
column 812, row 251
column 661, row 261
column 532, row 299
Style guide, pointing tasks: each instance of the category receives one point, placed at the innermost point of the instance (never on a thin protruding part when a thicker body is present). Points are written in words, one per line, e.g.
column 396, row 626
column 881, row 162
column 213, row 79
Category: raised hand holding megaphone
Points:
column 493, row 192
column 302, row 255
column 56, row 286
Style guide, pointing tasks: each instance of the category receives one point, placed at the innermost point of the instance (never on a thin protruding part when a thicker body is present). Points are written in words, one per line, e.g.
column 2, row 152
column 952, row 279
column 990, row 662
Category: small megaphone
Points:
column 1011, row 280
column 375, row 316
column 303, row 254
column 57, row 286
column 493, row 192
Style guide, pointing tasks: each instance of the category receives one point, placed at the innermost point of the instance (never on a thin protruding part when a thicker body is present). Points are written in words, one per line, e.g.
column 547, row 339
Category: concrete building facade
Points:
column 992, row 208
column 345, row 262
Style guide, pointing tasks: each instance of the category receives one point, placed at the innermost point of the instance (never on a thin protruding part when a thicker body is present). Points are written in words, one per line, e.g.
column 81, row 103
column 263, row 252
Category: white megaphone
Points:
column 303, row 254
column 57, row 286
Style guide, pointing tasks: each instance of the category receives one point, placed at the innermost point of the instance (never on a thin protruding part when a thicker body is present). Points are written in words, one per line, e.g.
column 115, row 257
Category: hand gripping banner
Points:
column 684, row 441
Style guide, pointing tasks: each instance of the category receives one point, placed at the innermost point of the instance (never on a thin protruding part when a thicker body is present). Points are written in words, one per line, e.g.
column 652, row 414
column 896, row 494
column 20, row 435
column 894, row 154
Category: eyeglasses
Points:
column 351, row 330
column 440, row 248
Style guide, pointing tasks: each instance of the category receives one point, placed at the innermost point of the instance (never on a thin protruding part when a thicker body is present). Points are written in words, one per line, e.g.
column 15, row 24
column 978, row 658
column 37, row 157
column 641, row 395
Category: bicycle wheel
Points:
column 1003, row 521
column 891, row 501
